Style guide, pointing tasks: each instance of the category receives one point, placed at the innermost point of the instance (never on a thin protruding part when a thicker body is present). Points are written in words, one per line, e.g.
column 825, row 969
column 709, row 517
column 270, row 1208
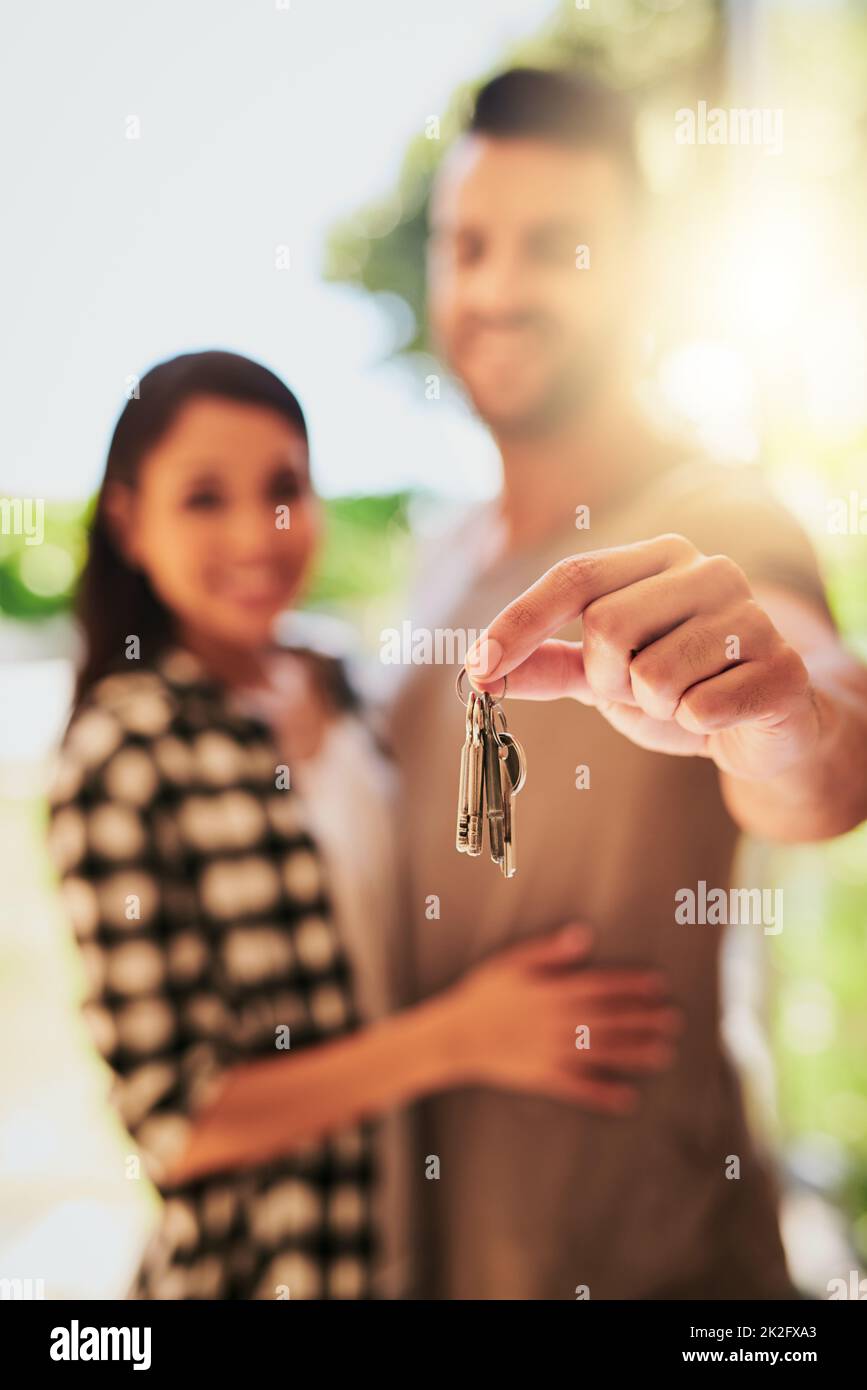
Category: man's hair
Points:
column 562, row 107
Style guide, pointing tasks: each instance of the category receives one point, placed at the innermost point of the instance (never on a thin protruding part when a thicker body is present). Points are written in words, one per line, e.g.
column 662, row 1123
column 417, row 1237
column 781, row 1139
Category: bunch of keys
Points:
column 493, row 771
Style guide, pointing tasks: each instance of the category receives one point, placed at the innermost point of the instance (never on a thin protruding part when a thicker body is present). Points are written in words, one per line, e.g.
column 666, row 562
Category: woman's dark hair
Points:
column 114, row 599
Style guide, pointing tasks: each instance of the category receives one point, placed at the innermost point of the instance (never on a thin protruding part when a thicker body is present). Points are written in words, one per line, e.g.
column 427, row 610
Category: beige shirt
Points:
column 537, row 1197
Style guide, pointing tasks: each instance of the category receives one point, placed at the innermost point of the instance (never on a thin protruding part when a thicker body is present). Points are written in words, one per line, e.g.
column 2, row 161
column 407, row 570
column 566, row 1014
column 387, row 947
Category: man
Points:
column 695, row 718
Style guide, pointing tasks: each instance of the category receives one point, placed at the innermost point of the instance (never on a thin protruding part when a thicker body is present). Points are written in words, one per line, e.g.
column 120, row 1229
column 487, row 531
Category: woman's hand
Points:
column 530, row 1019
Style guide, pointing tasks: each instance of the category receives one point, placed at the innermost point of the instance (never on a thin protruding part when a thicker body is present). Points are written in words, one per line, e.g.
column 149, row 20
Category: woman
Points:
column 221, row 826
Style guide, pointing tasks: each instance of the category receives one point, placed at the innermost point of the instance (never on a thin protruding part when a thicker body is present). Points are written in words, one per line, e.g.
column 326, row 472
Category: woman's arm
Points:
column 273, row 1106
column 510, row 1023
column 190, row 1105
column 193, row 1109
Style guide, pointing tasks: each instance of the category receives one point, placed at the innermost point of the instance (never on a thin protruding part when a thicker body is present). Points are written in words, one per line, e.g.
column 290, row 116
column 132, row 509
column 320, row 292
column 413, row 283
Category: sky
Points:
column 261, row 124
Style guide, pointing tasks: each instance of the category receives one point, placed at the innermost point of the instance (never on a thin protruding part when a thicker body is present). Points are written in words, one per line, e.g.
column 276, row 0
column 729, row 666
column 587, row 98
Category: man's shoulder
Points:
column 691, row 488
column 701, row 485
column 736, row 511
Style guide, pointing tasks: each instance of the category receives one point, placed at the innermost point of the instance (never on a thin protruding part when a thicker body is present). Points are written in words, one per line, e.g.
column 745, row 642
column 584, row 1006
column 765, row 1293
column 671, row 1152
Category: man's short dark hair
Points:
column 563, row 107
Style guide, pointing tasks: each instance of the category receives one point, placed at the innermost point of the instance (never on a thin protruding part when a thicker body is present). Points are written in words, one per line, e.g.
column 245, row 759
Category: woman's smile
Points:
column 258, row 587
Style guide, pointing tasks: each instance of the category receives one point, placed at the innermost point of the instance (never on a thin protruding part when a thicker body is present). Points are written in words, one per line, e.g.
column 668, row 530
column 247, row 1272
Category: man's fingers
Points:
column 704, row 647
column 619, row 627
column 554, row 671
column 561, row 595
column 756, row 690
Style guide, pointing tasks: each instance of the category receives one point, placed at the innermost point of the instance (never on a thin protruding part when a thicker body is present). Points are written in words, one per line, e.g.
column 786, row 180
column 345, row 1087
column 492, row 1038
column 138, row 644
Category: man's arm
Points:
column 682, row 657
column 826, row 794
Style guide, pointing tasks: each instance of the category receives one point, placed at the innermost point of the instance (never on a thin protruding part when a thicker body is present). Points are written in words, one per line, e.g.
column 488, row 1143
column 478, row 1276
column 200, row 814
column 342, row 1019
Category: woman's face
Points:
column 223, row 520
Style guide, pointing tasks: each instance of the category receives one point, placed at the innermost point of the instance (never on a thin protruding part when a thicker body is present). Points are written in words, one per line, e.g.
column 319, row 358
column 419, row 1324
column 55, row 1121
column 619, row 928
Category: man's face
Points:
column 527, row 325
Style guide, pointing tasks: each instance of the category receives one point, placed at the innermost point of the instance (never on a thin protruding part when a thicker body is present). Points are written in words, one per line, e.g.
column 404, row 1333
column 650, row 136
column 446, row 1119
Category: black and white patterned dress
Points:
column 198, row 902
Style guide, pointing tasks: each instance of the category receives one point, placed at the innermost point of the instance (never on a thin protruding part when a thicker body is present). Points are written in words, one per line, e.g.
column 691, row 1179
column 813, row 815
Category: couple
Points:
column 230, row 833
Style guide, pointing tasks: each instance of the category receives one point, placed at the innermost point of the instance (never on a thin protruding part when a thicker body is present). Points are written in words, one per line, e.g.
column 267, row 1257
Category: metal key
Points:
column 462, row 830
column 493, row 771
column 507, row 863
column 476, row 781
column 513, row 771
column 494, row 798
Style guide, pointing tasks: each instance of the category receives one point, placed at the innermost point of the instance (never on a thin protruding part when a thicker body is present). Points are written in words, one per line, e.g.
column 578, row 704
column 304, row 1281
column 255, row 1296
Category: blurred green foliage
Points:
column 364, row 556
column 366, row 550
column 37, row 581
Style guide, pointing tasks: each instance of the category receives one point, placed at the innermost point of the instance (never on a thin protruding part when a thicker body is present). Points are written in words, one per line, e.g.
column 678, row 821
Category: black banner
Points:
column 244, row 1339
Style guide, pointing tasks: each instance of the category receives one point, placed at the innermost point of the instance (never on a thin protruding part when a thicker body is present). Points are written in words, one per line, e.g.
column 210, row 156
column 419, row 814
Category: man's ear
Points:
column 119, row 505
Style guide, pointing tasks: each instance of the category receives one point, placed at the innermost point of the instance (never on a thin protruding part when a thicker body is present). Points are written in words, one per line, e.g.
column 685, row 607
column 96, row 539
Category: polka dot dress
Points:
column 198, row 904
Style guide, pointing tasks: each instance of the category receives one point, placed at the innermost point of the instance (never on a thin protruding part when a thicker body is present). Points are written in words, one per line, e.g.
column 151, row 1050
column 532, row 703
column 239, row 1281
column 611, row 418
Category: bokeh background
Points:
column 255, row 176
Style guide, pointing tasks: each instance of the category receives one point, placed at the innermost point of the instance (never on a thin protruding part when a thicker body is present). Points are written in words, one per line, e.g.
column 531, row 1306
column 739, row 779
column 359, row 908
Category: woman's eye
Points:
column 203, row 501
column 285, row 485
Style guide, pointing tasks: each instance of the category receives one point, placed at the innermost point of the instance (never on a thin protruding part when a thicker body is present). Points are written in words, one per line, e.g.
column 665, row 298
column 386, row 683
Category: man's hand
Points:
column 677, row 655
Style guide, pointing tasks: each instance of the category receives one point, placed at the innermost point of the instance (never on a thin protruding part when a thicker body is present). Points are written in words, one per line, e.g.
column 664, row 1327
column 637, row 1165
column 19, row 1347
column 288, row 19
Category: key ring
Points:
column 463, row 698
